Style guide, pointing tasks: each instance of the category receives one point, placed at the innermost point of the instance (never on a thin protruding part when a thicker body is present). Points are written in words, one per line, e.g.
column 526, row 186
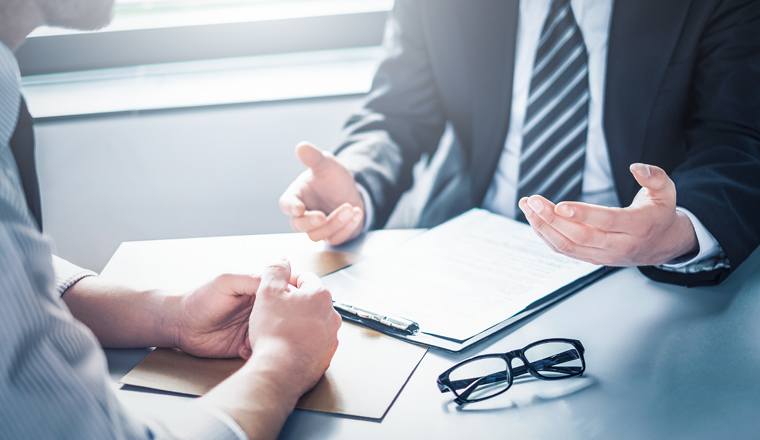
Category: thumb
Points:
column 653, row 178
column 312, row 157
column 275, row 278
column 237, row 284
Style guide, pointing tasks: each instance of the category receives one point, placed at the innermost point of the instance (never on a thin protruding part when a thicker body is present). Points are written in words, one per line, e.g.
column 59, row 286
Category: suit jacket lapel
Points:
column 491, row 27
column 643, row 35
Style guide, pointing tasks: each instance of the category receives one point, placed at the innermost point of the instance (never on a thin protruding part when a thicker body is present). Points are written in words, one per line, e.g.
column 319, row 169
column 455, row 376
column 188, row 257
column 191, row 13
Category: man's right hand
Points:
column 323, row 201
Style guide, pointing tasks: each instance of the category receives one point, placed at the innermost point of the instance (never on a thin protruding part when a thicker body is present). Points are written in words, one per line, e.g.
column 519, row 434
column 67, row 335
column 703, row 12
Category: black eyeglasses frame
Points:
column 445, row 384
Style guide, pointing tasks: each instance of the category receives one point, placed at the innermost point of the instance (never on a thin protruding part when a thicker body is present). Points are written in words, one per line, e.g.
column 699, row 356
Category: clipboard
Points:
column 359, row 290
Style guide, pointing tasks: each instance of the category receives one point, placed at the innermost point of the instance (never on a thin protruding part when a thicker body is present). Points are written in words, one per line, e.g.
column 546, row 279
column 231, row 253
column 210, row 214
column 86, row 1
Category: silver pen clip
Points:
column 396, row 322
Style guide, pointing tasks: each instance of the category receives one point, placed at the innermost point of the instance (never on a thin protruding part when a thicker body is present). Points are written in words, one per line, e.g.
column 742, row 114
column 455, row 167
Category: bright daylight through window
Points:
column 152, row 14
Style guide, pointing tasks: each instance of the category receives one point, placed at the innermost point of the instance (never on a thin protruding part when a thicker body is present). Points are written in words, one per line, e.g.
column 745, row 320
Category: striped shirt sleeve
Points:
column 53, row 376
column 66, row 274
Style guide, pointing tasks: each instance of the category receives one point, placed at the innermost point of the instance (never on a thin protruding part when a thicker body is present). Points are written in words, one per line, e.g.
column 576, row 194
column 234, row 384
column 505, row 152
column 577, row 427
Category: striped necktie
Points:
column 556, row 120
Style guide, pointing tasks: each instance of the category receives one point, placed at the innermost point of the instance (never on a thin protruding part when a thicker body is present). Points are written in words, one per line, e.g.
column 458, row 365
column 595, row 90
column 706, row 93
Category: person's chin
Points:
column 94, row 15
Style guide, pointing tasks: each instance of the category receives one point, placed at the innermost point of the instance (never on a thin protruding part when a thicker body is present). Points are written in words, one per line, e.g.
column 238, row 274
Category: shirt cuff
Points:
column 708, row 246
column 66, row 274
column 369, row 211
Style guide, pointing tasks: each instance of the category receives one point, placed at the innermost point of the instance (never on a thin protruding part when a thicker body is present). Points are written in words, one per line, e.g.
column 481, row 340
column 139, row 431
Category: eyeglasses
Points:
column 485, row 376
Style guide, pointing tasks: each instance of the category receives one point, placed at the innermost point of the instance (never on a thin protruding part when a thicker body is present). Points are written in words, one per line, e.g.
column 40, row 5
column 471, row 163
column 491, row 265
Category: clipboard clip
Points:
column 397, row 323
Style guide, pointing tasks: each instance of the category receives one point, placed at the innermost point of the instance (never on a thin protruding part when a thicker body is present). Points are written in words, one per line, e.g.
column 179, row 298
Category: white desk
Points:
column 662, row 361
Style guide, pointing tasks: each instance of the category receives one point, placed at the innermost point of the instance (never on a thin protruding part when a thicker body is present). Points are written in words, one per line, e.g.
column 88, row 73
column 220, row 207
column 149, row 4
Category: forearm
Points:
column 121, row 317
column 257, row 397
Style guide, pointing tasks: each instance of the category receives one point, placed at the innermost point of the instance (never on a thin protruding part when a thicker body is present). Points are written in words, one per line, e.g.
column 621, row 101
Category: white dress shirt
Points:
column 53, row 377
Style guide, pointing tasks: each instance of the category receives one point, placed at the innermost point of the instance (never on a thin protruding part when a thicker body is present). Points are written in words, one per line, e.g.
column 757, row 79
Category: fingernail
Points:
column 641, row 169
column 314, row 221
column 535, row 204
column 565, row 210
column 345, row 216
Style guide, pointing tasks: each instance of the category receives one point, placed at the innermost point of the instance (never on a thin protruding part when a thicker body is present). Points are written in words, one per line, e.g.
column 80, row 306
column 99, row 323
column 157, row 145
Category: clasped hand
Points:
column 219, row 319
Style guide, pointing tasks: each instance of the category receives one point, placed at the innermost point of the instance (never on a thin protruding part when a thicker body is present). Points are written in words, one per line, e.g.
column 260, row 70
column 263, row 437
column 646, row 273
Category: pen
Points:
column 362, row 315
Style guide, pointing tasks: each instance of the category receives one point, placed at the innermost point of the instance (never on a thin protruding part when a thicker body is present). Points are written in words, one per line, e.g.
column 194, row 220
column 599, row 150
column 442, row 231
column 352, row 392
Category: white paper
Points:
column 460, row 278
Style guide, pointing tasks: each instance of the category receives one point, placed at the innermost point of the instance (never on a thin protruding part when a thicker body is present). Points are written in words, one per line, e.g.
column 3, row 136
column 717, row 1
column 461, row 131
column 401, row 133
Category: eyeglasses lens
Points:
column 555, row 359
column 489, row 376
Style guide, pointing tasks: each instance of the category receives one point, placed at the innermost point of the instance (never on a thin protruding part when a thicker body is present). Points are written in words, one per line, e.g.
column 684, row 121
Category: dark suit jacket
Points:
column 682, row 92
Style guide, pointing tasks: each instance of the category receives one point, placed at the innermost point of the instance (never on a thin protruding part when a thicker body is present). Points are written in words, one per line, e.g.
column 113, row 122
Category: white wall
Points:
column 188, row 173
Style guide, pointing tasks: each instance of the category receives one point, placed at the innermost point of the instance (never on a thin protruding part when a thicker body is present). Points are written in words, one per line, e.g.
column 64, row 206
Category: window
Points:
column 168, row 54
column 165, row 31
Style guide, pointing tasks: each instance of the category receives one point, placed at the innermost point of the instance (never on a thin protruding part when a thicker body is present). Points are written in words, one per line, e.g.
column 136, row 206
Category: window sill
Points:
column 202, row 83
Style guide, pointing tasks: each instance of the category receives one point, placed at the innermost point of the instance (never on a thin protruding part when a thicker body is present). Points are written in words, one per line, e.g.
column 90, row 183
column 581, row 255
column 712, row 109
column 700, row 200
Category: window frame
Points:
column 70, row 52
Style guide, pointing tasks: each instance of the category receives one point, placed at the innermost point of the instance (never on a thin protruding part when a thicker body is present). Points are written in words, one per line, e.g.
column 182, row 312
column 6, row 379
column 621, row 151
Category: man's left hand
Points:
column 648, row 232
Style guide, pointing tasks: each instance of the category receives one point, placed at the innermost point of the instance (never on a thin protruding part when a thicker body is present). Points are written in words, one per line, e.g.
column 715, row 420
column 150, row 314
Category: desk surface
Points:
column 662, row 361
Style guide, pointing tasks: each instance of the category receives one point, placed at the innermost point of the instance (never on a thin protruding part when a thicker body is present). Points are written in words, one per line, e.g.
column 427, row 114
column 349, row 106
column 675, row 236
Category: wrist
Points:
column 275, row 364
column 687, row 242
column 167, row 319
column 170, row 329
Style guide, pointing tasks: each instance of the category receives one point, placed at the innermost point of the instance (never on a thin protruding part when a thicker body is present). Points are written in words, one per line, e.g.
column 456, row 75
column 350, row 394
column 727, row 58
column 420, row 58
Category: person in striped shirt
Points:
column 54, row 315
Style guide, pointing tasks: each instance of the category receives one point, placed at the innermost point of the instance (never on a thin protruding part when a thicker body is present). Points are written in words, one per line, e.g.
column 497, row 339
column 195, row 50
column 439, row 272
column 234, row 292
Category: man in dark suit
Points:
column 671, row 84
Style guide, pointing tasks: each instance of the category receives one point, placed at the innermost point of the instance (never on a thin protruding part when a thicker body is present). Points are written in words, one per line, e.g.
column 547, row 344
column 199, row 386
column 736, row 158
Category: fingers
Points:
column 291, row 203
column 342, row 224
column 350, row 229
column 309, row 221
column 275, row 278
column 561, row 235
column 532, row 217
column 313, row 286
column 578, row 233
column 600, row 217
column 309, row 282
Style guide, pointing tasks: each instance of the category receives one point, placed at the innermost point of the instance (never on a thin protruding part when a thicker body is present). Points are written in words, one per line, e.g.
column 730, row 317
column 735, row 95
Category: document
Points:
column 461, row 278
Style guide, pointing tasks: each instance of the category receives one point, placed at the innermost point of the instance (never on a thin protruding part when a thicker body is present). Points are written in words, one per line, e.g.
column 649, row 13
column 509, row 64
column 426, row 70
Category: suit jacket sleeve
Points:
column 401, row 118
column 719, row 181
